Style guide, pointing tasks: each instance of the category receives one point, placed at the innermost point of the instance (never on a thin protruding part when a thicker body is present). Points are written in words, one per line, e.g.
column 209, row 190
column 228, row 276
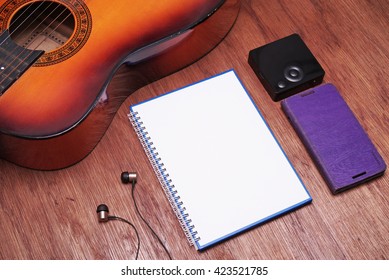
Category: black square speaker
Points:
column 286, row 67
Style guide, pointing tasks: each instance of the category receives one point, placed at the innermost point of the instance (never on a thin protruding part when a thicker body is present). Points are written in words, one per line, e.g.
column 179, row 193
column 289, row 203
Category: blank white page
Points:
column 227, row 168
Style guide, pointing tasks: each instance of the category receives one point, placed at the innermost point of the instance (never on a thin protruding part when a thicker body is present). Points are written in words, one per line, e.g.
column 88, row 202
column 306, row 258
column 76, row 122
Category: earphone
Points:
column 103, row 216
column 129, row 177
column 103, row 212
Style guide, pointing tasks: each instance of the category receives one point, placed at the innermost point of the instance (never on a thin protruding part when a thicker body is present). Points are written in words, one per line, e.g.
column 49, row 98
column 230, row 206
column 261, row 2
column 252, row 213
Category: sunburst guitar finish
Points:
column 66, row 66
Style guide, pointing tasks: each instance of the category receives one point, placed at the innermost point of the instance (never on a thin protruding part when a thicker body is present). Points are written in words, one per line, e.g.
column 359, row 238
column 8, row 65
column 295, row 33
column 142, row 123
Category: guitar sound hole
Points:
column 42, row 25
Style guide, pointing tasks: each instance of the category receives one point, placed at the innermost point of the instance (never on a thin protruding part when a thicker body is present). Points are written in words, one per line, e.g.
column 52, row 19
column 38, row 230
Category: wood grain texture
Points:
column 51, row 215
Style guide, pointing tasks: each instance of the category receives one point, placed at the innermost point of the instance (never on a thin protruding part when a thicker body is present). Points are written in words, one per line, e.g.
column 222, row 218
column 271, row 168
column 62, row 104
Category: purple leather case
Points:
column 333, row 136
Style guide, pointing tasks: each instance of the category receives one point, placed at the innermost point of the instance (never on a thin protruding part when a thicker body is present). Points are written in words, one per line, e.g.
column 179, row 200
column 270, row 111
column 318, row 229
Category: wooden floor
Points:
column 52, row 215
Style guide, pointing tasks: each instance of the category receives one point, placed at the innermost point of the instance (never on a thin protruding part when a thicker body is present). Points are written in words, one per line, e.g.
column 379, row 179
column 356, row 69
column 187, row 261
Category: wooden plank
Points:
column 51, row 215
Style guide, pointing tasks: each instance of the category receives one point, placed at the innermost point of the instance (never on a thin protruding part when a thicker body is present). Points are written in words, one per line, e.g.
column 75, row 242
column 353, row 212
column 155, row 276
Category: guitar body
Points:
column 54, row 111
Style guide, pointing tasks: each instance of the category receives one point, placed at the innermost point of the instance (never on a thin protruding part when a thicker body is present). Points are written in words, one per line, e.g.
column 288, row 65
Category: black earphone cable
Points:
column 102, row 211
column 148, row 225
column 132, row 225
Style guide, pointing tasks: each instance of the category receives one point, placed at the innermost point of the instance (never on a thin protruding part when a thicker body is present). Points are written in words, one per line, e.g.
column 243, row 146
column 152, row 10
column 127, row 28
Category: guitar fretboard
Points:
column 14, row 60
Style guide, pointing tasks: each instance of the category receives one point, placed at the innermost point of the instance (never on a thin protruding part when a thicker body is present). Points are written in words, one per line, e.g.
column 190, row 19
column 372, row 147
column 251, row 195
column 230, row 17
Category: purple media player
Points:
column 340, row 147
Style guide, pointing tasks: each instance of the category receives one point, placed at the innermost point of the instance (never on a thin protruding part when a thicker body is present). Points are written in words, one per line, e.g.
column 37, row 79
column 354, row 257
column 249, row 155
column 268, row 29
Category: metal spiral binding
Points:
column 163, row 178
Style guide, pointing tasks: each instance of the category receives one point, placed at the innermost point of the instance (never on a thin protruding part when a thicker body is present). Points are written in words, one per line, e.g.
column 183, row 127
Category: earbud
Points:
column 102, row 213
column 129, row 177
column 103, row 216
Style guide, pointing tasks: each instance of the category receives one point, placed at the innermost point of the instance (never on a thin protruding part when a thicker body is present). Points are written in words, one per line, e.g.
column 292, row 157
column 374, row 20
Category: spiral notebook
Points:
column 218, row 162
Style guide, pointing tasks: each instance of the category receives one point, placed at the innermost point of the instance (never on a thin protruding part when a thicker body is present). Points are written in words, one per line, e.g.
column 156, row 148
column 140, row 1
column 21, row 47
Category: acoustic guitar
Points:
column 66, row 66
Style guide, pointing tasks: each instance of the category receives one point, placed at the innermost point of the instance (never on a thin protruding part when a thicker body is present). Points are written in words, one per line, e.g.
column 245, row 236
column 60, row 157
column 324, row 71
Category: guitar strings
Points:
column 20, row 16
column 32, row 22
column 37, row 16
column 54, row 29
column 41, row 33
column 47, row 27
column 31, row 15
column 17, row 18
column 16, row 56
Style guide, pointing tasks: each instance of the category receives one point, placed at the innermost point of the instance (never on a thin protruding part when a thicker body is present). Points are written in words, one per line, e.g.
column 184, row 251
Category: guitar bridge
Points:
column 14, row 60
